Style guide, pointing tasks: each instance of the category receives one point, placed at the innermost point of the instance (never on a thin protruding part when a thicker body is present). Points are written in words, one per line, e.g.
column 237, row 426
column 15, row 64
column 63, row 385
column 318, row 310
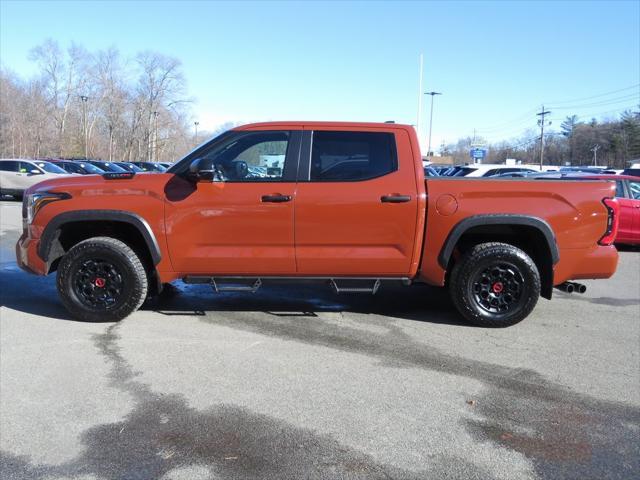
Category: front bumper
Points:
column 27, row 256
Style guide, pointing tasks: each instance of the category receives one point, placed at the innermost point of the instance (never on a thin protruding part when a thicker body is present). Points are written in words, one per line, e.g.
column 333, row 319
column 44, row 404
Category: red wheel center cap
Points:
column 100, row 282
column 497, row 287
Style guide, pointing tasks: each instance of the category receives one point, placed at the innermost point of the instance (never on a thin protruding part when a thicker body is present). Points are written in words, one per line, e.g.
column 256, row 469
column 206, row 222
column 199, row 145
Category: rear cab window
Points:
column 350, row 156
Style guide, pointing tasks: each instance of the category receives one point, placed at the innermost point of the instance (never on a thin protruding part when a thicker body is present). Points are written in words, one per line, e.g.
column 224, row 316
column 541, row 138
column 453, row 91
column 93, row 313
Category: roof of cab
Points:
column 302, row 125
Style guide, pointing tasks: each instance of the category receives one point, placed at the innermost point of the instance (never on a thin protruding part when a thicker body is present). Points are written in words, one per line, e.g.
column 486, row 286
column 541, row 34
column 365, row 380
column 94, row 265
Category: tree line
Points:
column 616, row 141
column 98, row 105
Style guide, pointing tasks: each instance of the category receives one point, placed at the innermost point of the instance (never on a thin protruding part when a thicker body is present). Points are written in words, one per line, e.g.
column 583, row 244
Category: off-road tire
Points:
column 468, row 284
column 130, row 271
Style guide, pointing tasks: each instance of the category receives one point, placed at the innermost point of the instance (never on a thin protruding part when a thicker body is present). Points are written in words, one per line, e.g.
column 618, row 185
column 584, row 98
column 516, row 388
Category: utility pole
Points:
column 85, row 135
column 429, row 153
column 595, row 154
column 155, row 137
column 196, row 123
column 541, row 123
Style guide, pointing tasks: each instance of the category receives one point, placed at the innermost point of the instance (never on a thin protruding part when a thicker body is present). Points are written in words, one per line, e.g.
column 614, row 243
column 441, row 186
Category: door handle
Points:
column 276, row 198
column 395, row 198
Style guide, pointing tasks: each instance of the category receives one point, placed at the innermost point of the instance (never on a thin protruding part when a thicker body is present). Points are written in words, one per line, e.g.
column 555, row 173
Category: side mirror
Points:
column 35, row 171
column 201, row 170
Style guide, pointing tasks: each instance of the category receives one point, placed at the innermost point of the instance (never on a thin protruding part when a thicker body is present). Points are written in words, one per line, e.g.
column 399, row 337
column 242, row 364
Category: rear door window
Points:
column 9, row 166
column 338, row 156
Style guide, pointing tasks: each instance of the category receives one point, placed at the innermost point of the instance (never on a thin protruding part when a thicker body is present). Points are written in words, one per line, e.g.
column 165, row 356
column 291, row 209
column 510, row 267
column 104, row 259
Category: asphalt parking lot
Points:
column 293, row 383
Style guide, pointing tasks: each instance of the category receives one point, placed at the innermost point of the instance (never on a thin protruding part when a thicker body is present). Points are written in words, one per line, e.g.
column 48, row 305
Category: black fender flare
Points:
column 52, row 230
column 498, row 219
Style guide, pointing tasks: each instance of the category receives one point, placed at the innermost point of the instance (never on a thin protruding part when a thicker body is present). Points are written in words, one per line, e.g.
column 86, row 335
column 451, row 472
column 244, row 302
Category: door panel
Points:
column 625, row 225
column 634, row 193
column 348, row 227
column 226, row 228
column 241, row 223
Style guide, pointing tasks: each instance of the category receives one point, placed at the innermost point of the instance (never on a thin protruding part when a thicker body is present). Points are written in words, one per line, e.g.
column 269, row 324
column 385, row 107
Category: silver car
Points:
column 17, row 175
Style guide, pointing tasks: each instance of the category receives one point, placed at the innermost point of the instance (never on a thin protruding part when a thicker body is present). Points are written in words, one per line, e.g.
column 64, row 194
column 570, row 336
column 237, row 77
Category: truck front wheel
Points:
column 101, row 280
column 495, row 285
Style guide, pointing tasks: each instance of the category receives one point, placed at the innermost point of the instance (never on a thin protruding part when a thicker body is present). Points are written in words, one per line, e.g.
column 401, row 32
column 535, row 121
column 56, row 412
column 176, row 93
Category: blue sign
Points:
column 478, row 153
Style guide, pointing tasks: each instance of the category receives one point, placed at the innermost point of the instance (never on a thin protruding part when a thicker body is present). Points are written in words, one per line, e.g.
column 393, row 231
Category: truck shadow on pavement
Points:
column 37, row 295
column 418, row 302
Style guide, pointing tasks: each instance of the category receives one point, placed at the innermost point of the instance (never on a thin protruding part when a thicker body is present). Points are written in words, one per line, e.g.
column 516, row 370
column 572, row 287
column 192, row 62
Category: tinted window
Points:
column 71, row 167
column 634, row 189
column 464, row 171
column 26, row 167
column 351, row 156
column 249, row 157
column 110, row 167
column 8, row 166
column 50, row 167
column 620, row 189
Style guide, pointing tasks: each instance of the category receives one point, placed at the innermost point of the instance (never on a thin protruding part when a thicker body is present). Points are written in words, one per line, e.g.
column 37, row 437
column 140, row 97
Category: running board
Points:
column 355, row 289
column 252, row 284
column 220, row 287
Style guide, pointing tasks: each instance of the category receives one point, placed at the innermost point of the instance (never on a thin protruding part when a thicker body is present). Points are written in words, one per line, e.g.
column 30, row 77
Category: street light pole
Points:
column 84, row 99
column 595, row 154
column 155, row 137
column 429, row 153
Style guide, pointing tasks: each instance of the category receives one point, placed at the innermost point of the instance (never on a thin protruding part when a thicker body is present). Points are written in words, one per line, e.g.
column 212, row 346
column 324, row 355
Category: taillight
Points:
column 612, row 222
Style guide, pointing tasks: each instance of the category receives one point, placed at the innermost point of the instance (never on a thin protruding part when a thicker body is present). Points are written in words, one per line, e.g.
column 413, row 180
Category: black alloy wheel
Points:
column 494, row 285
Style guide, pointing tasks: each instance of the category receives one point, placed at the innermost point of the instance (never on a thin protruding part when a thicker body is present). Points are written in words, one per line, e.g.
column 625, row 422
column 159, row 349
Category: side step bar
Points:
column 252, row 284
column 355, row 289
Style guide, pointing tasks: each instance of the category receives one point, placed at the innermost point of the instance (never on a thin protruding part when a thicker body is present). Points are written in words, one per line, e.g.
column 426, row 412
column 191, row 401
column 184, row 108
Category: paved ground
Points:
column 301, row 383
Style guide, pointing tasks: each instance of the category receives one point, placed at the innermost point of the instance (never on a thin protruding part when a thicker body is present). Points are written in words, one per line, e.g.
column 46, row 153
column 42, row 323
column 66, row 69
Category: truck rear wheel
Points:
column 101, row 280
column 495, row 285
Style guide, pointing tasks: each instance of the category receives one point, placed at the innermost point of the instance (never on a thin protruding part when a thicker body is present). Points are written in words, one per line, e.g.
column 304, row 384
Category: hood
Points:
column 98, row 185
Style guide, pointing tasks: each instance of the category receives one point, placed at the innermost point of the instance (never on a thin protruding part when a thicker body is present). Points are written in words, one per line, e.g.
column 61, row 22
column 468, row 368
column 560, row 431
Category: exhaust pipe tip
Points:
column 566, row 287
column 580, row 288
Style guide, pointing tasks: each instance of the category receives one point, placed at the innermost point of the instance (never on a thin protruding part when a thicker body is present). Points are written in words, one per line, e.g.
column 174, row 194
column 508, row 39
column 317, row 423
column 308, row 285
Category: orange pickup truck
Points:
column 344, row 203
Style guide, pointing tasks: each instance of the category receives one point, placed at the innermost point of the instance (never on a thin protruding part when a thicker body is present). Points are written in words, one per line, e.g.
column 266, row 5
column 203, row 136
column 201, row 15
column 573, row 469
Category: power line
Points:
column 500, row 125
column 610, row 101
column 637, row 85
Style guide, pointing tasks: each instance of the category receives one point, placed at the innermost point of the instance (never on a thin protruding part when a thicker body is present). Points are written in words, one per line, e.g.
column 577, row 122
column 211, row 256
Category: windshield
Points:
column 131, row 167
column 464, row 171
column 91, row 168
column 50, row 167
column 183, row 165
column 111, row 167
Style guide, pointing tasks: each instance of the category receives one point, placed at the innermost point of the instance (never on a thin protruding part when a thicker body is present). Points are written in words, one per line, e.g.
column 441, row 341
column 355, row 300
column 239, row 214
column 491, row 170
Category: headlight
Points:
column 33, row 202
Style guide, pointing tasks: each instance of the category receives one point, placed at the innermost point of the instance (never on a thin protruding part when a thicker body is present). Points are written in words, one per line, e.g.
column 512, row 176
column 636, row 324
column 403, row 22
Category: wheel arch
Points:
column 531, row 234
column 68, row 228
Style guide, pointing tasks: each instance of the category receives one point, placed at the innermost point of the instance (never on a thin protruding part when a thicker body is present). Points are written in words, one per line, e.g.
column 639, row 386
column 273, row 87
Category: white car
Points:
column 493, row 170
column 16, row 175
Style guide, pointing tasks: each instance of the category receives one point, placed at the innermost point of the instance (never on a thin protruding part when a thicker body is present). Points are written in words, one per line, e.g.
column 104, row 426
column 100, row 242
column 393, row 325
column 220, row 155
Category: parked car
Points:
column 150, row 166
column 350, row 209
column 105, row 166
column 430, row 172
column 594, row 170
column 166, row 164
column 129, row 167
column 80, row 168
column 16, row 175
column 628, row 196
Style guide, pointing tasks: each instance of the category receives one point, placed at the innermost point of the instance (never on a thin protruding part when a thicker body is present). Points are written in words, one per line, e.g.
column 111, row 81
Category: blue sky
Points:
column 495, row 62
